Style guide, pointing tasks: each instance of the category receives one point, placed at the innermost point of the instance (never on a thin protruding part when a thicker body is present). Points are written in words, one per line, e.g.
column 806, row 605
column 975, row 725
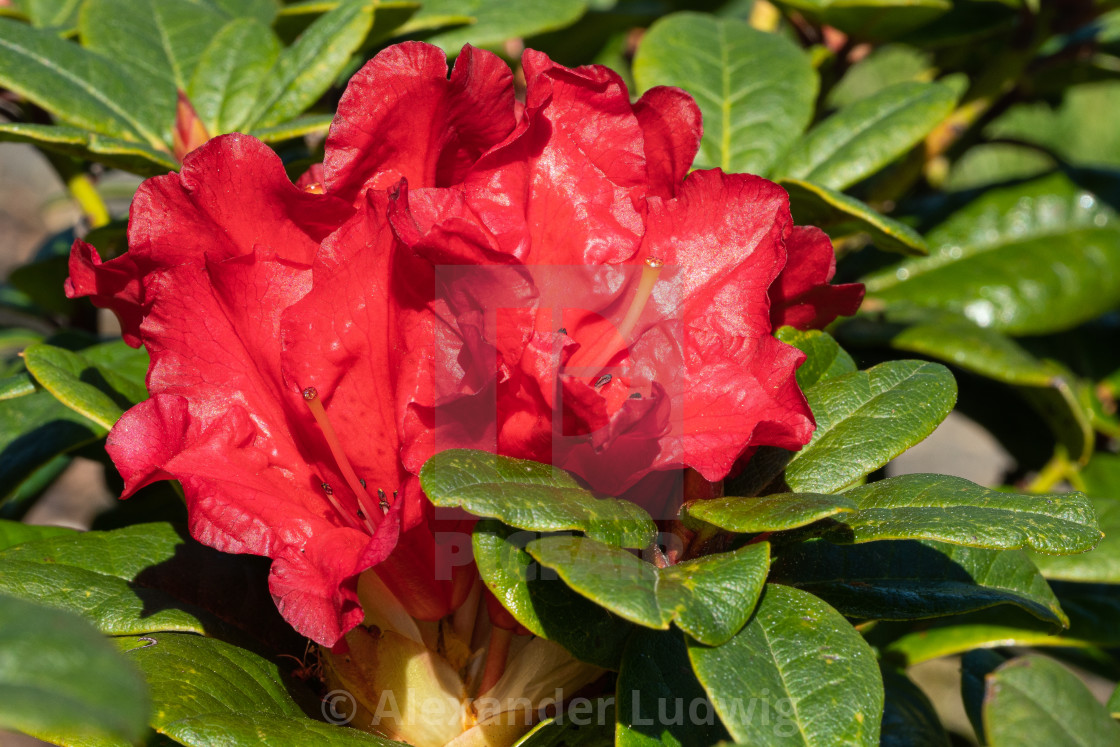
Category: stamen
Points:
column 329, row 492
column 311, row 397
column 600, row 353
column 603, row 380
column 383, row 501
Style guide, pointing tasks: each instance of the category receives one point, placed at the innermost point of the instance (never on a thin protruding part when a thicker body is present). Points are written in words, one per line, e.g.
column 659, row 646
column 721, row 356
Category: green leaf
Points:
column 866, row 418
column 885, row 66
column 1101, row 564
column 1035, row 700
column 19, row 385
column 862, row 138
column 870, row 19
column 53, row 14
column 1114, row 703
column 772, row 513
column 994, row 260
column 530, row 495
column 756, row 90
column 230, row 72
column 306, row 69
column 659, row 699
column 538, row 601
column 492, row 22
column 15, row 532
column 839, row 213
column 587, row 723
column 975, row 667
column 1048, row 387
column 145, row 578
column 911, row 580
column 803, row 661
column 34, row 429
column 262, row 11
column 88, row 390
column 77, row 86
column 161, row 41
column 310, row 124
column 58, row 674
column 825, row 358
column 232, row 696
column 710, row 598
column 139, row 158
column 952, row 509
column 909, row 718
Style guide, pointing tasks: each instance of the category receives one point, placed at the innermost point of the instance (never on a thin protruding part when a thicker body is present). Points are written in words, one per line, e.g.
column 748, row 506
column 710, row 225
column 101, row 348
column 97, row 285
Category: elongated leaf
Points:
column 803, row 665
column 532, row 496
column 952, row 509
column 128, row 155
column 77, row 86
column 839, row 213
column 710, row 598
column 492, row 22
column 299, row 127
column 587, row 723
column 771, row 513
column 755, row 90
column 538, row 599
column 862, row 138
column 78, row 384
column 232, row 696
column 909, row 580
column 59, row 674
column 34, row 429
column 867, row 418
column 19, row 385
column 1049, row 387
column 1114, row 703
column 1101, row 564
column 825, row 359
column 15, row 532
column 230, row 72
column 660, row 702
column 308, row 67
column 1035, row 700
column 995, row 260
column 53, row 14
column 909, row 719
column 161, row 41
column 870, row 19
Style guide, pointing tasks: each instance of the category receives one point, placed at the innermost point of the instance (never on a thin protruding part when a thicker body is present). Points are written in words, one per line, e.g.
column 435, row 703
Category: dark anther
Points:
column 327, row 488
column 603, row 380
column 636, row 395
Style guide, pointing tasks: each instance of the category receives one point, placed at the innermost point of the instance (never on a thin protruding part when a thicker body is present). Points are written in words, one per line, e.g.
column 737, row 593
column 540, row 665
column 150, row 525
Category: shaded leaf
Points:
column 532, row 496
column 870, row 19
column 491, row 22
column 839, row 213
column 128, row 155
column 909, row 718
column 34, row 429
column 99, row 394
column 710, row 598
column 825, row 359
column 771, row 513
column 756, row 90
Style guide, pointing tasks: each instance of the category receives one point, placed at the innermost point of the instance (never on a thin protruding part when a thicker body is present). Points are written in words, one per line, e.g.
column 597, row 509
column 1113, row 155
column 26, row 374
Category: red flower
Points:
column 304, row 362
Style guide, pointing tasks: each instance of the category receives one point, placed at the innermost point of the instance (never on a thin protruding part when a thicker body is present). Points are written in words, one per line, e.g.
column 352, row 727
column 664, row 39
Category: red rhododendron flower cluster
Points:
column 310, row 349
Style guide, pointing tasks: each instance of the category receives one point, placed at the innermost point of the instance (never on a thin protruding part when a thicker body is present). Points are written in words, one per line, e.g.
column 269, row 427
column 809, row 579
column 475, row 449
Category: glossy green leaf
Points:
column 825, row 359
column 660, row 702
column 538, row 600
column 1101, row 480
column 839, row 213
column 995, row 262
column 230, row 71
column 1035, row 700
column 910, row 580
column 866, row 418
column 19, row 385
column 952, row 509
column 77, row 86
column 78, row 383
column 310, row 124
column 870, row 19
column 144, row 578
column 806, row 664
column 53, row 14
column 909, row 718
column 162, row 42
column 863, row 137
column 710, row 597
column 15, row 532
column 1049, row 387
column 532, row 496
column 34, row 429
column 232, row 697
column 756, row 90
column 311, row 64
column 58, row 674
column 128, row 155
column 883, row 67
column 492, row 22
column 772, row 513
